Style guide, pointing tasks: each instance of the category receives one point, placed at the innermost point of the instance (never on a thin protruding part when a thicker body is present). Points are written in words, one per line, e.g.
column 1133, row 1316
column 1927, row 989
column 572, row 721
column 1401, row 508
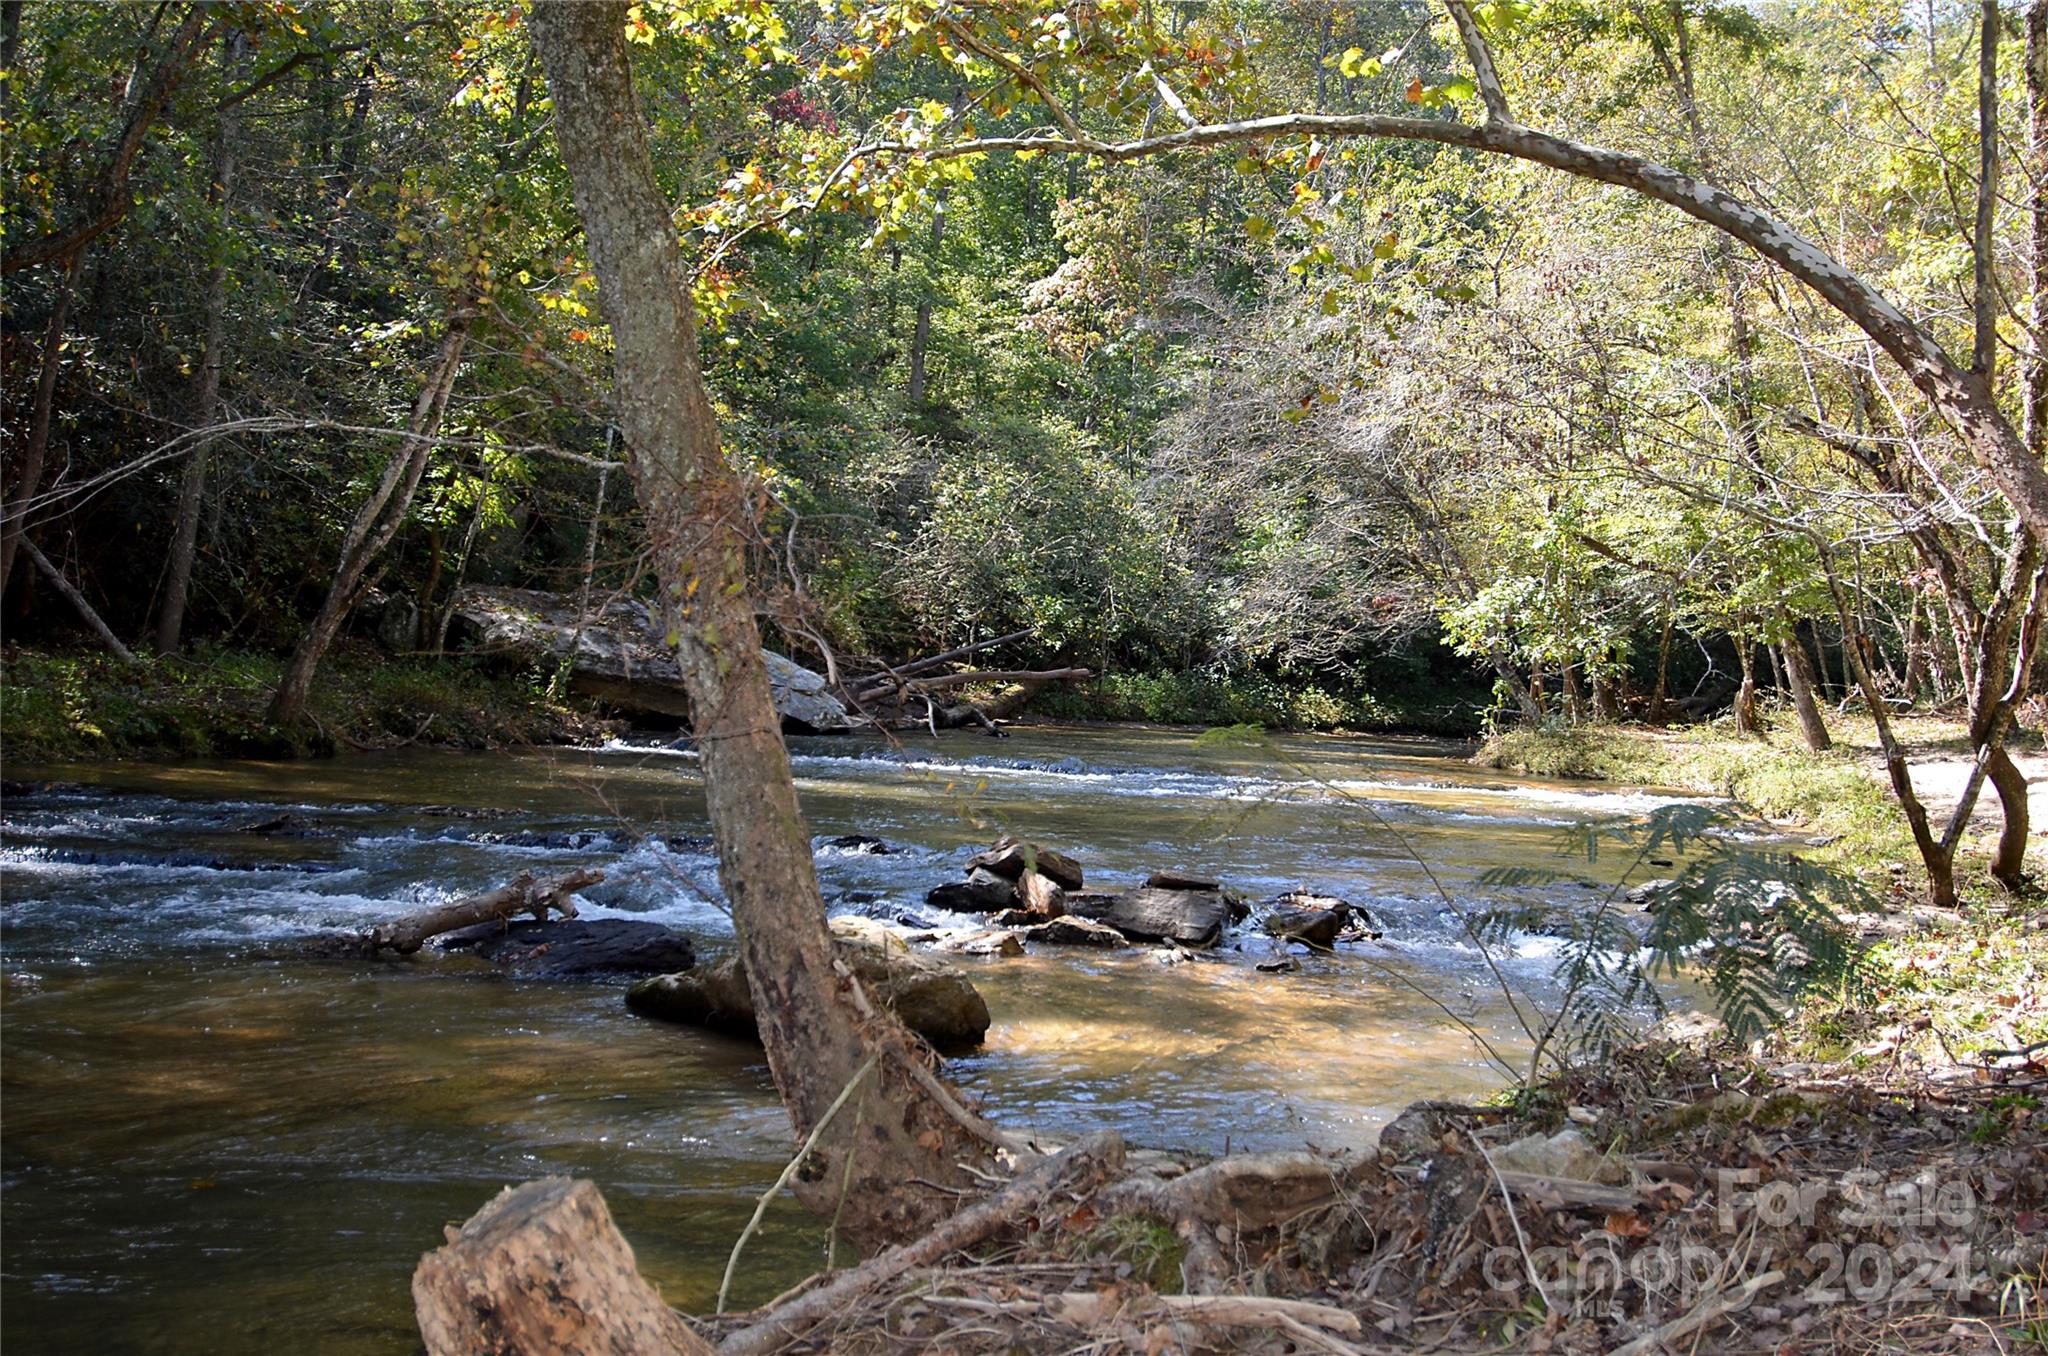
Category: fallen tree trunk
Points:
column 522, row 895
column 890, row 677
column 543, row 1269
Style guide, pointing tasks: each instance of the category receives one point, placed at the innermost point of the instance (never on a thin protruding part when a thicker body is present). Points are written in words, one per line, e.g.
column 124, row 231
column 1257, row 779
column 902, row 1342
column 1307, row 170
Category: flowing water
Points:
column 211, row 1143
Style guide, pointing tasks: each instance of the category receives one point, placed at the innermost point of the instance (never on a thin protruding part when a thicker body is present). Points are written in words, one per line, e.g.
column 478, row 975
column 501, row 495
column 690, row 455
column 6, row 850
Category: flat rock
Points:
column 1193, row 918
column 576, row 948
column 986, row 942
column 930, row 997
column 1010, row 857
column 982, row 892
column 1175, row 880
column 1072, row 931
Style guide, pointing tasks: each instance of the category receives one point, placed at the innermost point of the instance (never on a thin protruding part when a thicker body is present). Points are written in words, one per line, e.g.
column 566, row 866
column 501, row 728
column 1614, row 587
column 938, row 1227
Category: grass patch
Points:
column 57, row 706
column 1253, row 698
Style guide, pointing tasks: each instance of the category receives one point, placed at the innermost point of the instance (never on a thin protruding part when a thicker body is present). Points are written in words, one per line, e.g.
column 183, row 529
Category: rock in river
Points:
column 982, row 892
column 1146, row 914
column 576, row 948
column 1011, row 857
column 930, row 997
column 1071, row 931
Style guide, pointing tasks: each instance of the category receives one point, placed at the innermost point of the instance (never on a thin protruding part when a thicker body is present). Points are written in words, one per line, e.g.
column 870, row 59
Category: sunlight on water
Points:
column 211, row 1143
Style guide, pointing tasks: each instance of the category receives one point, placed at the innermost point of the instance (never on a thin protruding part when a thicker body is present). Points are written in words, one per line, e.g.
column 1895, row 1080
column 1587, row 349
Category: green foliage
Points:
column 57, row 705
column 1759, row 925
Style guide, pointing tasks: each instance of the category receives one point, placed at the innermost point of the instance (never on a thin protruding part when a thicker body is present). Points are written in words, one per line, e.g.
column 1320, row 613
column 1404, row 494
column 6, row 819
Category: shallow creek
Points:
column 212, row 1145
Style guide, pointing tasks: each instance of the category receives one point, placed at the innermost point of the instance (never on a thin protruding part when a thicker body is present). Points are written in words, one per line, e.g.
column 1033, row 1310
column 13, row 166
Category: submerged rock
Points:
column 1011, row 857
column 1185, row 917
column 930, row 997
column 575, row 948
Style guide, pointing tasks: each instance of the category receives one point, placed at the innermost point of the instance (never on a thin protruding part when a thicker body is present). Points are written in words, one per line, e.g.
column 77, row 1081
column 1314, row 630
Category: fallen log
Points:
column 522, row 895
column 890, row 677
column 542, row 1268
column 946, row 680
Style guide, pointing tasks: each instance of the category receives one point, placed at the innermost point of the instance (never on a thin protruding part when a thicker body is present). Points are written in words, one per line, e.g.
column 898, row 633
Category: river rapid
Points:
column 211, row 1143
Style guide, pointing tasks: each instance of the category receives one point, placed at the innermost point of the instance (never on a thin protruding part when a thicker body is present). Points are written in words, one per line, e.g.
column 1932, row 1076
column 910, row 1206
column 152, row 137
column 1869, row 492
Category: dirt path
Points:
column 1939, row 782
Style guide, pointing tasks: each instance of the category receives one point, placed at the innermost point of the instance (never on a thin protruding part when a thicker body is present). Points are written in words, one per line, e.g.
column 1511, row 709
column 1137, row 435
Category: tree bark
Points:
column 2034, row 417
column 378, row 520
column 892, row 1170
column 170, row 620
column 1982, row 245
column 1799, row 677
column 542, row 1269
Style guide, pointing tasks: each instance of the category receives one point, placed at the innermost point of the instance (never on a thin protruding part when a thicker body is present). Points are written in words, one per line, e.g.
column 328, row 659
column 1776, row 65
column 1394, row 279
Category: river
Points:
column 213, row 1144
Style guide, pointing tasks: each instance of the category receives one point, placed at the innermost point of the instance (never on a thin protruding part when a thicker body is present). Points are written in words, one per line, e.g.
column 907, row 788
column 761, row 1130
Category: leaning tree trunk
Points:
column 30, row 479
column 1799, row 676
column 897, row 1163
column 378, row 520
column 170, row 618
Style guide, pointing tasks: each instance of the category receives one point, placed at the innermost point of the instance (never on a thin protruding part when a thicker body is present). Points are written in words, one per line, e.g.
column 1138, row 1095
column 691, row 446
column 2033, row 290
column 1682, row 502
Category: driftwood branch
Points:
column 522, row 895
column 1078, row 1168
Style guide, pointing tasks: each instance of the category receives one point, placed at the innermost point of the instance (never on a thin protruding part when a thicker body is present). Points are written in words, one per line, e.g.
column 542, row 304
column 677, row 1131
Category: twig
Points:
column 789, row 1170
column 1521, row 1239
column 1707, row 1311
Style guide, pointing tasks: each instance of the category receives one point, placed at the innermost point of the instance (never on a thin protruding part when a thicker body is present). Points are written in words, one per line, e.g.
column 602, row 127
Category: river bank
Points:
column 1941, row 991
column 212, row 703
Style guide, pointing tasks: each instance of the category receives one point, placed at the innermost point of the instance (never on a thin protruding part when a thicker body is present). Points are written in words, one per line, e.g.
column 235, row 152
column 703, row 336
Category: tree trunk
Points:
column 1799, row 676
column 1661, row 692
column 2009, row 861
column 78, row 602
column 1745, row 696
column 899, row 1162
column 378, row 520
column 170, row 620
column 36, row 452
column 542, row 1268
column 2034, row 415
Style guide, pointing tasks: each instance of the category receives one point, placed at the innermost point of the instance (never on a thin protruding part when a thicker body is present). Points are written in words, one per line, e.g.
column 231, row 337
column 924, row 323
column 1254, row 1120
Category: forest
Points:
column 1503, row 538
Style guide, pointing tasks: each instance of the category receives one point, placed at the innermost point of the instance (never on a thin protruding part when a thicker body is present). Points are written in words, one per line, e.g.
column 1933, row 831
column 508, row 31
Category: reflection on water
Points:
column 211, row 1144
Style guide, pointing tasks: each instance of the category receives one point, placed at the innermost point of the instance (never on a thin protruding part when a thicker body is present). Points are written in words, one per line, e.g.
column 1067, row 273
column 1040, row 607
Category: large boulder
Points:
column 1193, row 918
column 930, row 997
column 576, row 948
column 619, row 656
